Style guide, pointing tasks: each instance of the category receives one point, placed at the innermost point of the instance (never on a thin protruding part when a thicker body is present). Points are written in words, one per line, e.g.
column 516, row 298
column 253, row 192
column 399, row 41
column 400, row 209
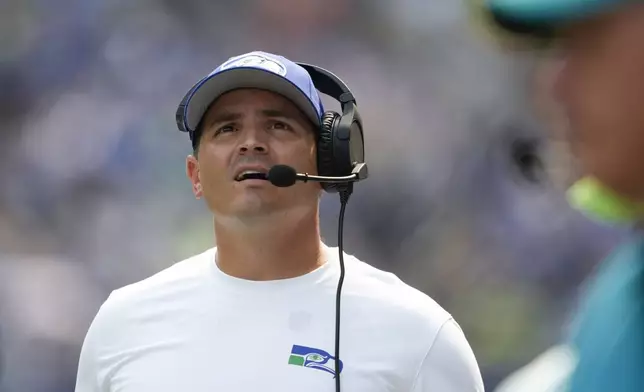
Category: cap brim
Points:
column 542, row 18
column 212, row 87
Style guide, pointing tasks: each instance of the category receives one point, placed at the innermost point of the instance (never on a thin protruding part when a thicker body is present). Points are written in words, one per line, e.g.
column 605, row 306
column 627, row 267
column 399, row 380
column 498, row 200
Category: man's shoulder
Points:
column 391, row 295
column 609, row 321
column 378, row 297
column 612, row 291
column 185, row 273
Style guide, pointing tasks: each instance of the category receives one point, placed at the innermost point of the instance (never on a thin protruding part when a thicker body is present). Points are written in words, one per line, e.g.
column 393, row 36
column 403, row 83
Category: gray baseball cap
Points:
column 256, row 69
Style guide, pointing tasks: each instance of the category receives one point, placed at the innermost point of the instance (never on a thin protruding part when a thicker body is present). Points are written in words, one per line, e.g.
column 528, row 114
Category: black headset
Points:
column 340, row 145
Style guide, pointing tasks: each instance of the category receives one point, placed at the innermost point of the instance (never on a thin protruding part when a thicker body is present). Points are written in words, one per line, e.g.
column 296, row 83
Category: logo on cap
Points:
column 255, row 60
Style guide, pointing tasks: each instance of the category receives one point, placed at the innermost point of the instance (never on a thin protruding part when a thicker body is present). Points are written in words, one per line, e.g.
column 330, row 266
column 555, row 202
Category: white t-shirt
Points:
column 193, row 328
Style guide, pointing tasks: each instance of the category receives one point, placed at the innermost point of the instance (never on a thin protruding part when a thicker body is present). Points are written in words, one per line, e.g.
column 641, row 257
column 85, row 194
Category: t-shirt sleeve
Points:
column 450, row 364
column 90, row 374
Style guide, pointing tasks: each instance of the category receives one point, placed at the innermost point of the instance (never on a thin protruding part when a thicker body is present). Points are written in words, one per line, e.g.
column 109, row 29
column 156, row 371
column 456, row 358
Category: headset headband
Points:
column 327, row 83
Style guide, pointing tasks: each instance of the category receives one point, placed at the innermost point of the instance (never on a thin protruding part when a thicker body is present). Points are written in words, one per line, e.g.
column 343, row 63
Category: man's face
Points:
column 601, row 88
column 254, row 130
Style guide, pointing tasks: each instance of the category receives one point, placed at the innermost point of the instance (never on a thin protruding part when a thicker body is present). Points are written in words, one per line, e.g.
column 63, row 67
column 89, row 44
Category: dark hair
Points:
column 196, row 138
column 196, row 135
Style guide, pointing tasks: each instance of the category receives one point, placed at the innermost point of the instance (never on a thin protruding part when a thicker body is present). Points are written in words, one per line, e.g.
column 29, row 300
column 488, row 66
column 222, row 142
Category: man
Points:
column 600, row 87
column 257, row 311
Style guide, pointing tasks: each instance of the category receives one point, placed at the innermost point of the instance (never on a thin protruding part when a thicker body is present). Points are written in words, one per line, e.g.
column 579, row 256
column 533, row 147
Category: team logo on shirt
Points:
column 313, row 358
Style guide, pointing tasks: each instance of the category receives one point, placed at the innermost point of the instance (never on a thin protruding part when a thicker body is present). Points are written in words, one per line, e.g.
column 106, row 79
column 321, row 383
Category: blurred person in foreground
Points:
column 257, row 311
column 598, row 49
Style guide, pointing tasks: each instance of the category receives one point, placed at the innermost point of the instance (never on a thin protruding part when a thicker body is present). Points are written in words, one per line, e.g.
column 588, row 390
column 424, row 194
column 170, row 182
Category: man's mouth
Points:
column 250, row 175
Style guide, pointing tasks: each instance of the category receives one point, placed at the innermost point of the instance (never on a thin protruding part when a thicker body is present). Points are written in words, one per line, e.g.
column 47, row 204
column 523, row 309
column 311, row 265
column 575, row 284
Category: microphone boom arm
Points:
column 359, row 172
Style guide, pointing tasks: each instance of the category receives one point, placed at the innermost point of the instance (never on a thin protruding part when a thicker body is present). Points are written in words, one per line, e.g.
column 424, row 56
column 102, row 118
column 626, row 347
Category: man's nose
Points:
column 252, row 143
column 244, row 148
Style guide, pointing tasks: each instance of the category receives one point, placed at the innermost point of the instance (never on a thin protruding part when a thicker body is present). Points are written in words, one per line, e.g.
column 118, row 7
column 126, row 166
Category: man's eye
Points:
column 280, row 125
column 225, row 129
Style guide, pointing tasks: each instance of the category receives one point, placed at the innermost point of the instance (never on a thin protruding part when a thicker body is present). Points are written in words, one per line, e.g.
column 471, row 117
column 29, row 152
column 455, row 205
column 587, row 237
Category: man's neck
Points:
column 280, row 249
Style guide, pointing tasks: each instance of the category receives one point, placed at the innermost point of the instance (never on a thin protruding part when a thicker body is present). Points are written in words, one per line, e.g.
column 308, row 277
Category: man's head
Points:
column 254, row 111
column 600, row 79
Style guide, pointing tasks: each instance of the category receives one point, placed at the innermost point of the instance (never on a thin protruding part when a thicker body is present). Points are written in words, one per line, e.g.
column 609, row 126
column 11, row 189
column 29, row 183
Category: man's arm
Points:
column 89, row 374
column 450, row 364
column 86, row 380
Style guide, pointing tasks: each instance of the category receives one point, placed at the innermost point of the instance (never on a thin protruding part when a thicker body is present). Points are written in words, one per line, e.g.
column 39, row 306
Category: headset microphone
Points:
column 284, row 176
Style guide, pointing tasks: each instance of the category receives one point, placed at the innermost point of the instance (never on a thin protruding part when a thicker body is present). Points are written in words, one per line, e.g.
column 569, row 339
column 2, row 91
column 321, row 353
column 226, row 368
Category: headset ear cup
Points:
column 325, row 151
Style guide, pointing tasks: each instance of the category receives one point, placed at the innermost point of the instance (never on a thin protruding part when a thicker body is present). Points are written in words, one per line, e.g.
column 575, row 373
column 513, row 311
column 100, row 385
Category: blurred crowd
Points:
column 93, row 193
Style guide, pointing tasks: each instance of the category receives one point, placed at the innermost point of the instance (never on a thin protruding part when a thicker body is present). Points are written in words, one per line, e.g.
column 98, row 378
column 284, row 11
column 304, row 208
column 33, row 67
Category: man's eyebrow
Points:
column 222, row 117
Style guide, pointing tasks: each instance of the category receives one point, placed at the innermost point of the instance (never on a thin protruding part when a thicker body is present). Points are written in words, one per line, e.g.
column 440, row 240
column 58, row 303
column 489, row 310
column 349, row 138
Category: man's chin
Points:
column 254, row 205
column 629, row 186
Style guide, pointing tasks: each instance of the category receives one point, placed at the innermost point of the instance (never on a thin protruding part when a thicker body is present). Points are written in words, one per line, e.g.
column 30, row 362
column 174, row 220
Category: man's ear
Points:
column 192, row 171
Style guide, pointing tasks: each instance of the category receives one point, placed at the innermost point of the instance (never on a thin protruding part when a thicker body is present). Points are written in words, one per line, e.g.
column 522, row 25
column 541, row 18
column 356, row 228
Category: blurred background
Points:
column 93, row 193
